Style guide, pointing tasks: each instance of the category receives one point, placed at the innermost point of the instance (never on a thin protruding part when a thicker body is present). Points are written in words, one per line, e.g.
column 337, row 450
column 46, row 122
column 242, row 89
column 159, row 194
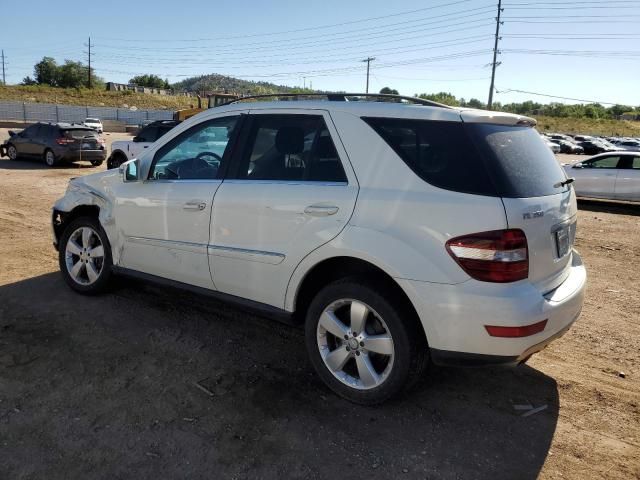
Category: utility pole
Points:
column 89, row 77
column 495, row 54
column 368, row 60
column 4, row 80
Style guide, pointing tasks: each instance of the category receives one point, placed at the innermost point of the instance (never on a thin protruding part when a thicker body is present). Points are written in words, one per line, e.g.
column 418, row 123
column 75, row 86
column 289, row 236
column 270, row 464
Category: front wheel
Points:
column 85, row 256
column 12, row 152
column 365, row 346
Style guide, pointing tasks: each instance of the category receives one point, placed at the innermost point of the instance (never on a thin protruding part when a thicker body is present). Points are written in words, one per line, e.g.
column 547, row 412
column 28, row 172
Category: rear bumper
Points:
column 454, row 317
column 85, row 155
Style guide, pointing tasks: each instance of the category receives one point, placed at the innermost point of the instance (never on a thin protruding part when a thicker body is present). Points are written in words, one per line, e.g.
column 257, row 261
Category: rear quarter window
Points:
column 441, row 153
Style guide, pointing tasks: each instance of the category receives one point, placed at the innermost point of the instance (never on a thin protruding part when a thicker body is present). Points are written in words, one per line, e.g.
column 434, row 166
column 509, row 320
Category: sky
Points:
column 586, row 50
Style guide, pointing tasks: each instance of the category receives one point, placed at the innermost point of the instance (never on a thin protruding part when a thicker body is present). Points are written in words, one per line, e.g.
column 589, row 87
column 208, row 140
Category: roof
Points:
column 380, row 109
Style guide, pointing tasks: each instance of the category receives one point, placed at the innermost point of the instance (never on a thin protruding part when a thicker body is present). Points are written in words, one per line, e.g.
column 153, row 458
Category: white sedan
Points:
column 611, row 175
column 94, row 123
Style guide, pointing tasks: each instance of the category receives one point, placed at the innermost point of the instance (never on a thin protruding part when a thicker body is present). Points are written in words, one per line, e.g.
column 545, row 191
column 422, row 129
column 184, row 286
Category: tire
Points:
column 12, row 152
column 79, row 249
column 396, row 363
column 116, row 160
column 96, row 163
column 50, row 158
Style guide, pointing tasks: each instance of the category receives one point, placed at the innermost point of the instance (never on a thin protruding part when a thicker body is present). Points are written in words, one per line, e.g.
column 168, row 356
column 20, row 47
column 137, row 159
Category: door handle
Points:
column 321, row 210
column 195, row 205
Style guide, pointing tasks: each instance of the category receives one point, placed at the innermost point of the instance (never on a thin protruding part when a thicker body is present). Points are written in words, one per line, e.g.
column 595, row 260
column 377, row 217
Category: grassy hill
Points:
column 588, row 126
column 93, row 97
column 216, row 82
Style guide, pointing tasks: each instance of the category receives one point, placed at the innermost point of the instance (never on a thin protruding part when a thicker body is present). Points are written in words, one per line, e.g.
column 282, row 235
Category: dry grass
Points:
column 589, row 126
column 94, row 97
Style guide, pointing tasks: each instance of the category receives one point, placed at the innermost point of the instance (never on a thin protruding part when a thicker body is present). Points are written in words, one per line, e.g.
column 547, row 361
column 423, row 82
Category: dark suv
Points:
column 55, row 143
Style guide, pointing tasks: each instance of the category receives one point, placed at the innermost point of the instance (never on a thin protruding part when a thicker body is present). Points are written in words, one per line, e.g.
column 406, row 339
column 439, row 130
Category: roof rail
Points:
column 341, row 97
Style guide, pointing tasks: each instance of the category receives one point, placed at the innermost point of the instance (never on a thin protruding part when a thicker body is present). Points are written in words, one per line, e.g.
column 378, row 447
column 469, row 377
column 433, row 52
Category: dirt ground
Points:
column 105, row 387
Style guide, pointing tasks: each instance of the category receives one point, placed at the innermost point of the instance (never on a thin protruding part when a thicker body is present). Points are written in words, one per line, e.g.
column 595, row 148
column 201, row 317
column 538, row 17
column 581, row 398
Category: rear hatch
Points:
column 82, row 138
column 529, row 179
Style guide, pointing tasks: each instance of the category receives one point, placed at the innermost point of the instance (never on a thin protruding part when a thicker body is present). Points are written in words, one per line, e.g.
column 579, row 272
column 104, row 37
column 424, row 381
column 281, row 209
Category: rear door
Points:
column 290, row 190
column 596, row 177
column 628, row 181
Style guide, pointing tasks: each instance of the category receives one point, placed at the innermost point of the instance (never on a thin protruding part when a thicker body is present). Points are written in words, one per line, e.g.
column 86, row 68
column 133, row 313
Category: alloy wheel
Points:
column 12, row 152
column 49, row 158
column 84, row 256
column 355, row 344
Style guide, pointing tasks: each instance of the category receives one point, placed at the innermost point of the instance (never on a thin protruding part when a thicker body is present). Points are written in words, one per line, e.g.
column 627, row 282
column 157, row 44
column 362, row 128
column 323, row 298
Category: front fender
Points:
column 81, row 198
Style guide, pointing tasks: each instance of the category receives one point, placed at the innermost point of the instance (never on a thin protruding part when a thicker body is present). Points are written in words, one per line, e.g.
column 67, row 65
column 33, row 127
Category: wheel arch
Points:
column 335, row 268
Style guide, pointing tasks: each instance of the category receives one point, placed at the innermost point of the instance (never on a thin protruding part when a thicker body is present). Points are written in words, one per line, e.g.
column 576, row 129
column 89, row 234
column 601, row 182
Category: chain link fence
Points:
column 44, row 112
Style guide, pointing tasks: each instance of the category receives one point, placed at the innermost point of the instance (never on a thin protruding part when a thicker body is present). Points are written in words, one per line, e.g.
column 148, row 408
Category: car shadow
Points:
column 606, row 206
column 168, row 384
column 37, row 164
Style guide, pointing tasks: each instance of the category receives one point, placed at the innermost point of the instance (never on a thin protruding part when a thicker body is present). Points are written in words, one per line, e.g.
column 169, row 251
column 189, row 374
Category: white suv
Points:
column 399, row 234
column 123, row 150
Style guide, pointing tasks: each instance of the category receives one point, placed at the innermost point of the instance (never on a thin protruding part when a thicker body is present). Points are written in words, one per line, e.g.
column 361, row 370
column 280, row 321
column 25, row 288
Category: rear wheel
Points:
column 116, row 160
column 365, row 346
column 12, row 152
column 85, row 256
column 50, row 158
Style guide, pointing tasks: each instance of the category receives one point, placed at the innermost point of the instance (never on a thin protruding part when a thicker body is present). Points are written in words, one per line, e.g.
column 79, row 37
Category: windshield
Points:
column 79, row 133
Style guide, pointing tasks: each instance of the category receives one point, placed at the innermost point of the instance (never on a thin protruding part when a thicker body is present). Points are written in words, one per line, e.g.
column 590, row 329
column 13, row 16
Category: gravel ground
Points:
column 147, row 382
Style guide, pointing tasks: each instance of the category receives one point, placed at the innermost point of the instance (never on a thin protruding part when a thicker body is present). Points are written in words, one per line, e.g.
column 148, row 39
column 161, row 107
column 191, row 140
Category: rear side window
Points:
column 290, row 148
column 481, row 159
column 441, row 153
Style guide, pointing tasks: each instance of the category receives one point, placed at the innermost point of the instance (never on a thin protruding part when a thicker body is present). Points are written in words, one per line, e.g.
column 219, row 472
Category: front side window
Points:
column 196, row 154
column 606, row 162
column 290, row 148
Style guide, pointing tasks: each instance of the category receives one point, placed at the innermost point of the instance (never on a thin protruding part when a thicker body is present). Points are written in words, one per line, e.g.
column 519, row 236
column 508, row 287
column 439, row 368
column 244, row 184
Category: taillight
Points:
column 499, row 256
column 516, row 332
column 64, row 141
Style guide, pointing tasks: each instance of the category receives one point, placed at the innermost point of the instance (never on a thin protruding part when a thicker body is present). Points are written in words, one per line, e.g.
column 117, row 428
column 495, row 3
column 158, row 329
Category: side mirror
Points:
column 138, row 139
column 12, row 133
column 130, row 171
column 578, row 165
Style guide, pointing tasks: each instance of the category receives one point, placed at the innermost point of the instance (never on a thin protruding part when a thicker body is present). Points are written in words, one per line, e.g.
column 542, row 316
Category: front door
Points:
column 165, row 219
column 290, row 189
column 597, row 177
column 25, row 141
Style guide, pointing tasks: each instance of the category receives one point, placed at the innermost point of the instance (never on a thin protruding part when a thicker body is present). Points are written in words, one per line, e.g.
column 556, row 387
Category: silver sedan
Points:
column 611, row 175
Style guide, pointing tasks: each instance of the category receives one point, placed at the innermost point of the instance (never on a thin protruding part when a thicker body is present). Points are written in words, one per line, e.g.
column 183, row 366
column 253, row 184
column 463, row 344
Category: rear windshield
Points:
column 482, row 159
column 92, row 120
column 79, row 133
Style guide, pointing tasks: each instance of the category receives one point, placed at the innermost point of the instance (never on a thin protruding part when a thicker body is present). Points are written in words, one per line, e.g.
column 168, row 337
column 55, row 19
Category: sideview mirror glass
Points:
column 130, row 170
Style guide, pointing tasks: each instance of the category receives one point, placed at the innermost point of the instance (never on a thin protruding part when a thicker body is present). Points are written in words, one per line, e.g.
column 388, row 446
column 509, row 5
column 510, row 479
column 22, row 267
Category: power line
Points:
column 307, row 29
column 4, row 78
column 509, row 90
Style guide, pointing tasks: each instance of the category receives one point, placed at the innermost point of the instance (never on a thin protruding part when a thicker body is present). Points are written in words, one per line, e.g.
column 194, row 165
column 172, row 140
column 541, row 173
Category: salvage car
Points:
column 399, row 234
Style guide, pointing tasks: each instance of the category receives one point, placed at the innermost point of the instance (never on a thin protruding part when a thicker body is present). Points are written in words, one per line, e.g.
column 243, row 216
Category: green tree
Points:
column 149, row 80
column 46, row 72
column 475, row 103
column 28, row 81
column 389, row 91
column 441, row 97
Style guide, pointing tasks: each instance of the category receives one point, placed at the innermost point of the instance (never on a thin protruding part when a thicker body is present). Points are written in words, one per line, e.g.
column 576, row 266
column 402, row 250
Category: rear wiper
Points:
column 565, row 183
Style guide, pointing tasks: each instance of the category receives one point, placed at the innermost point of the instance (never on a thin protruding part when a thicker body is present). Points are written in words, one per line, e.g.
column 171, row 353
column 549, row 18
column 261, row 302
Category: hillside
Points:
column 94, row 97
column 216, row 82
column 588, row 126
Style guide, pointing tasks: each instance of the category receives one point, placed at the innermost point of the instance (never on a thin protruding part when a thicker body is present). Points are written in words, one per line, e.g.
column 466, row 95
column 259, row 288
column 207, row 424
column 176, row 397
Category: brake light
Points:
column 498, row 256
column 516, row 332
column 64, row 141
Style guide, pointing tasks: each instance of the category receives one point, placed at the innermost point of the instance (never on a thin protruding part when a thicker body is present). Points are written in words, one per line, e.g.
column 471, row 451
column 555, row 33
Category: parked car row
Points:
column 591, row 145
